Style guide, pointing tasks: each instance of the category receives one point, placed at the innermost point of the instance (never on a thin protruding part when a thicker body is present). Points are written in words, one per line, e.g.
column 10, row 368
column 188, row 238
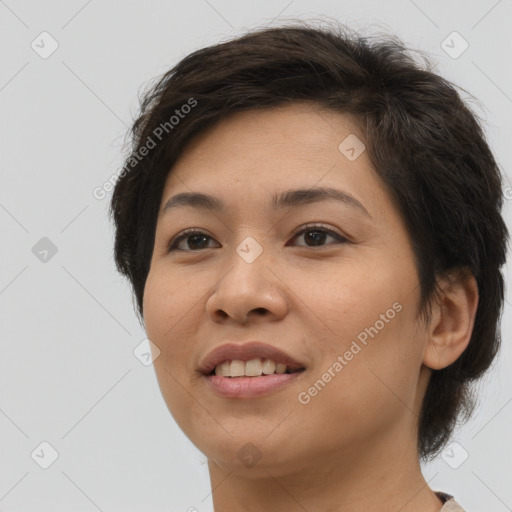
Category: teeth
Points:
column 280, row 368
column 252, row 368
column 268, row 367
column 223, row 369
column 237, row 369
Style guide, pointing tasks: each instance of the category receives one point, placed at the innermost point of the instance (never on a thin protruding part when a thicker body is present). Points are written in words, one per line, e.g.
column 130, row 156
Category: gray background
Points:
column 68, row 374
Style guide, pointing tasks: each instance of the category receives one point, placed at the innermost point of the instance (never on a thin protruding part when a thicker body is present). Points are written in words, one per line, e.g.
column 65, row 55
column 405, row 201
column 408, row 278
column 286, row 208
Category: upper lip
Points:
column 246, row 352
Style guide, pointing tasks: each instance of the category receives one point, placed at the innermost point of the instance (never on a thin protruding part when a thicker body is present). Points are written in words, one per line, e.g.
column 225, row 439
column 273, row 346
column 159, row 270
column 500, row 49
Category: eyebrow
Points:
column 286, row 199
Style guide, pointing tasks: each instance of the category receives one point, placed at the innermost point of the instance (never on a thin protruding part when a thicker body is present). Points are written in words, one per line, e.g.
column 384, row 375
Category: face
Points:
column 340, row 297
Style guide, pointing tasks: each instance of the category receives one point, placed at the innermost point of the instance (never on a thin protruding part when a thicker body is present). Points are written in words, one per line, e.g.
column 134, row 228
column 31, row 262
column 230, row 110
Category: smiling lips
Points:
column 249, row 370
column 248, row 352
column 252, row 368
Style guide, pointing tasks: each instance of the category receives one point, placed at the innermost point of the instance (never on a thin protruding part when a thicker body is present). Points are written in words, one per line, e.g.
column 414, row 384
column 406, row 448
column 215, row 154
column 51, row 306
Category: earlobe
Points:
column 453, row 319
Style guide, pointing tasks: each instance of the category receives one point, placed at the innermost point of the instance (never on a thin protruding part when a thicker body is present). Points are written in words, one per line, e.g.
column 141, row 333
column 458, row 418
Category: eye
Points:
column 319, row 233
column 198, row 239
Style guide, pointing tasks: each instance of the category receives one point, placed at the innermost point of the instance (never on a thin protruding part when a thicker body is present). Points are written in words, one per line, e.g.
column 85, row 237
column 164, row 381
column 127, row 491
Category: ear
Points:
column 453, row 318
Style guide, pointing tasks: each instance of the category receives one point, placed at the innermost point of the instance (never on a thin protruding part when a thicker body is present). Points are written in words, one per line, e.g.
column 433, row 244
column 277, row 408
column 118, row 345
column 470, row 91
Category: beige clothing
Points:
column 450, row 505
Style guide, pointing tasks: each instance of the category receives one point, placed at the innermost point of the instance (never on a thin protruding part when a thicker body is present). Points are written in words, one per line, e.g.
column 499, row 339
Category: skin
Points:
column 353, row 446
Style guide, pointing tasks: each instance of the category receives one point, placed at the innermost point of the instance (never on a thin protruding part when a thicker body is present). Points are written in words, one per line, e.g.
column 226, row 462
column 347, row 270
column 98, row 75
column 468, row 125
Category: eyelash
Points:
column 309, row 227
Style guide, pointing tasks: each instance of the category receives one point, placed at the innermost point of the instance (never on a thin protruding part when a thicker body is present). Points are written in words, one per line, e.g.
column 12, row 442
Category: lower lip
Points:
column 250, row 387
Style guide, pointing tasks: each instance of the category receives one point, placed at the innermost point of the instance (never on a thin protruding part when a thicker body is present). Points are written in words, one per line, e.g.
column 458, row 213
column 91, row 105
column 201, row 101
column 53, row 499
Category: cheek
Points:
column 381, row 368
column 168, row 298
column 366, row 323
column 345, row 302
column 169, row 305
column 372, row 392
column 169, row 302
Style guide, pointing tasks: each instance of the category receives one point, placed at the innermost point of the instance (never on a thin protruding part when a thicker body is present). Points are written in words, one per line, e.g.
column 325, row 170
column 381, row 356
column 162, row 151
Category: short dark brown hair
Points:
column 422, row 139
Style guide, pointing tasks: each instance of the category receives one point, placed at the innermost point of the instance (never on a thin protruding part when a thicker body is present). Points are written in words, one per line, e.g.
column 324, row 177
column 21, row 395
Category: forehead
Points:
column 255, row 153
column 298, row 129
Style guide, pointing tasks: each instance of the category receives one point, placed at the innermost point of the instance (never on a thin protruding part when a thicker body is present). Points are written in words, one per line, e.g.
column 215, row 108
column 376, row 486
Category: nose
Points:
column 248, row 292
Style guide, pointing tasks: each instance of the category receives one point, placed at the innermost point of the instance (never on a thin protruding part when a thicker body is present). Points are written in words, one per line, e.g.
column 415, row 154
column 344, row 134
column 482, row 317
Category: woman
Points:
column 310, row 221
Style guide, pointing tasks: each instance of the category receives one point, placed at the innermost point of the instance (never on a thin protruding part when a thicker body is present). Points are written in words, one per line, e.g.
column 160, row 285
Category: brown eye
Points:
column 316, row 235
column 195, row 240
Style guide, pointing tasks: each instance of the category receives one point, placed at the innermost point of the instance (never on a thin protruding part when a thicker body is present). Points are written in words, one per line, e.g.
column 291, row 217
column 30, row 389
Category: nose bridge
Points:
column 248, row 272
column 248, row 283
column 250, row 250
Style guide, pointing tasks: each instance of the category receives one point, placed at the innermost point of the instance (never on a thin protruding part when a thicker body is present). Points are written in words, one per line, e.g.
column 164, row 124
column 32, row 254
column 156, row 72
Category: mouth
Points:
column 250, row 370
column 253, row 368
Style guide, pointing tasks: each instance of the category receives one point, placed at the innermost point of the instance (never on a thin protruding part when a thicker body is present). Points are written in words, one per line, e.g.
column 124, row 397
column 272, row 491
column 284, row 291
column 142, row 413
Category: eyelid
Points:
column 310, row 226
column 183, row 234
column 313, row 225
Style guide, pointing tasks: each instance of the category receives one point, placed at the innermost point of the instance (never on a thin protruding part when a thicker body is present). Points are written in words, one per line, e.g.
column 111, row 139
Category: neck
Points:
column 384, row 476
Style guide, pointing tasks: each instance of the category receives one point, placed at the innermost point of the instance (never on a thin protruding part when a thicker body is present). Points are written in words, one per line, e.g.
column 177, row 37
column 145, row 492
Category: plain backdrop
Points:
column 76, row 395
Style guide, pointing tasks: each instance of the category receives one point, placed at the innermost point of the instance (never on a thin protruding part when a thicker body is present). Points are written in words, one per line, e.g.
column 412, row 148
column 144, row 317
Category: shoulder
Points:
column 450, row 505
